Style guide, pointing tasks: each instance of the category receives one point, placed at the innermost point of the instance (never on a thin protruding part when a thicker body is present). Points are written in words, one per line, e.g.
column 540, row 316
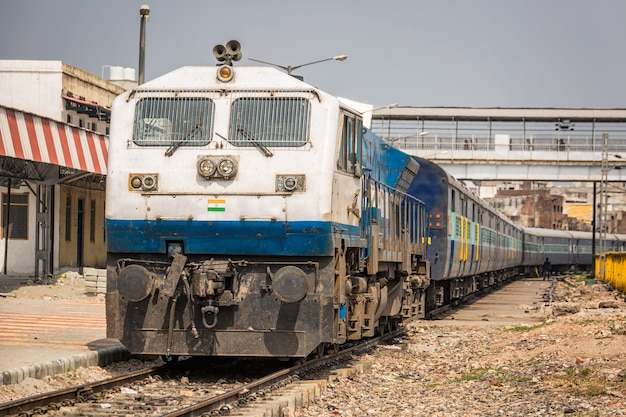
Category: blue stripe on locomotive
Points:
column 303, row 238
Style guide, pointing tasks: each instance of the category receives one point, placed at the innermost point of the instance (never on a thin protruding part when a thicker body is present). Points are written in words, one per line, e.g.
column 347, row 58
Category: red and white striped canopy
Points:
column 27, row 136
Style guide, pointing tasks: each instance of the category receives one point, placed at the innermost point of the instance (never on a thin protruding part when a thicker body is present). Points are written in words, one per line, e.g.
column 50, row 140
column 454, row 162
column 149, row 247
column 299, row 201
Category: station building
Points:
column 54, row 122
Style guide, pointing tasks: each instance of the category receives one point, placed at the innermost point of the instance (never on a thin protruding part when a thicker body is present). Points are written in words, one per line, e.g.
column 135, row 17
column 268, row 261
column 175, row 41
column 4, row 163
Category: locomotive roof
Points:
column 201, row 78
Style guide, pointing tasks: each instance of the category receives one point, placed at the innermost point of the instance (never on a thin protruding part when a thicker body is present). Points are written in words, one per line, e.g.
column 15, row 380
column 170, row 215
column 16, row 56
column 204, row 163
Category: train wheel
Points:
column 332, row 349
column 320, row 351
column 385, row 325
column 169, row 359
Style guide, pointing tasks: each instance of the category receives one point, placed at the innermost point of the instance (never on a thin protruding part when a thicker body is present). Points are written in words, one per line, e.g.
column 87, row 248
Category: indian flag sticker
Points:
column 216, row 205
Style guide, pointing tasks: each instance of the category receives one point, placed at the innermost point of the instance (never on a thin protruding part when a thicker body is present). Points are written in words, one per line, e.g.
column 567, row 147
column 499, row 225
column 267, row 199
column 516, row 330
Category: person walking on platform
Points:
column 546, row 269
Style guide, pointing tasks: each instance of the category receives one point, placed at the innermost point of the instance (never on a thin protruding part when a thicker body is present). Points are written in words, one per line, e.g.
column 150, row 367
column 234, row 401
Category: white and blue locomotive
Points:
column 250, row 214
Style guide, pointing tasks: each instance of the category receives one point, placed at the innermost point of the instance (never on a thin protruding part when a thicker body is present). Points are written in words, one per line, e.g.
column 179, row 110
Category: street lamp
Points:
column 290, row 68
column 144, row 13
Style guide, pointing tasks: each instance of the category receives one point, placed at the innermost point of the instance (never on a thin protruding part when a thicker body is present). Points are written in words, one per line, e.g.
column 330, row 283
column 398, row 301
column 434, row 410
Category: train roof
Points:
column 536, row 231
column 426, row 164
column 576, row 234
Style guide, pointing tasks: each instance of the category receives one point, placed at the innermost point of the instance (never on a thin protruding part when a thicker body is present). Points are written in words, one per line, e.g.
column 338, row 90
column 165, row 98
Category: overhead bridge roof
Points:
column 499, row 114
column 30, row 137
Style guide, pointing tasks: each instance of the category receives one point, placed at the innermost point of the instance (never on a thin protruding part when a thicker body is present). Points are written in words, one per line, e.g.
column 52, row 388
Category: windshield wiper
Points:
column 253, row 140
column 170, row 151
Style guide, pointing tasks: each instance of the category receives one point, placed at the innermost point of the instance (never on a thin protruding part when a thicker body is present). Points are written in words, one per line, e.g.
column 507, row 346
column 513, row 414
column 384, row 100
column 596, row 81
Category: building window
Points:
column 81, row 123
column 18, row 216
column 68, row 119
column 92, row 221
column 68, row 218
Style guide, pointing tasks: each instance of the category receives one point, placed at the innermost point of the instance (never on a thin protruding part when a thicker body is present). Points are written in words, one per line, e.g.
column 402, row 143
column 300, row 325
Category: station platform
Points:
column 51, row 327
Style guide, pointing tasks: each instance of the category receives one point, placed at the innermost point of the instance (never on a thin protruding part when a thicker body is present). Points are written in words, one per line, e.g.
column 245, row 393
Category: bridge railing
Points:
column 505, row 149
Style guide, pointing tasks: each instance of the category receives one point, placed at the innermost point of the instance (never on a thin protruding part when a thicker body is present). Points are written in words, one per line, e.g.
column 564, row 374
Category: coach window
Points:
column 17, row 216
column 350, row 151
column 452, row 201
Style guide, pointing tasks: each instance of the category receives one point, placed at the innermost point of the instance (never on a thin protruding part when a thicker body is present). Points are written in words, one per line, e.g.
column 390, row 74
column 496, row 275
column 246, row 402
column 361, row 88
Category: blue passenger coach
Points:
column 471, row 246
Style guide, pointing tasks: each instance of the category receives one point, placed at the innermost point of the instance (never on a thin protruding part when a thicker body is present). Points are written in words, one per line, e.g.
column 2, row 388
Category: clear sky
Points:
column 479, row 53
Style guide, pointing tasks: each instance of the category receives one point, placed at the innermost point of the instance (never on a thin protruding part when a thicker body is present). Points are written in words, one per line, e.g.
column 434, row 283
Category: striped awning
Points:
column 39, row 139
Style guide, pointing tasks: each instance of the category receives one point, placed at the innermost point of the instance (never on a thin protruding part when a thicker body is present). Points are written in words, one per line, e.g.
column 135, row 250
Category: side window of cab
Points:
column 351, row 146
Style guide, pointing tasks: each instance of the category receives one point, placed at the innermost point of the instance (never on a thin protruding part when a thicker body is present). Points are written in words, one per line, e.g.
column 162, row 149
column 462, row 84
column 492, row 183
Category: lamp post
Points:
column 290, row 68
column 144, row 13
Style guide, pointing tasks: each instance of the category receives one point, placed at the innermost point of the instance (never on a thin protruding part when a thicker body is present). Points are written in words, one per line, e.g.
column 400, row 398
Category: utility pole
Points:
column 604, row 200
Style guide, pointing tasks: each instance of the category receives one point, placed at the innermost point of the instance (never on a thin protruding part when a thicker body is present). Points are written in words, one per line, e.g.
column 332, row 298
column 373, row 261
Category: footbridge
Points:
column 511, row 144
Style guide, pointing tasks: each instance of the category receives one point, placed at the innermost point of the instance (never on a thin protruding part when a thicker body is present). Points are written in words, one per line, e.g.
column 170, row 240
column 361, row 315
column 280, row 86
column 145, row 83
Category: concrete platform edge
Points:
column 100, row 357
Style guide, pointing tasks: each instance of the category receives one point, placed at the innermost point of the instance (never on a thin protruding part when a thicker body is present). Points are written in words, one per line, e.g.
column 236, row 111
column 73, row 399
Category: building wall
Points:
column 84, row 86
column 532, row 208
column 72, row 219
column 32, row 86
column 20, row 257
column 38, row 87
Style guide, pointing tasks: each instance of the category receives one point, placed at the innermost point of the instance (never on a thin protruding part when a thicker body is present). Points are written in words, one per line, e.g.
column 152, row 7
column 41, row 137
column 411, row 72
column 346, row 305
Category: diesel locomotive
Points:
column 251, row 214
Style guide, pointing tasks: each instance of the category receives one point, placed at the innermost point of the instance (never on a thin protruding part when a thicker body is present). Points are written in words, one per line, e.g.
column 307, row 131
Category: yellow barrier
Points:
column 614, row 270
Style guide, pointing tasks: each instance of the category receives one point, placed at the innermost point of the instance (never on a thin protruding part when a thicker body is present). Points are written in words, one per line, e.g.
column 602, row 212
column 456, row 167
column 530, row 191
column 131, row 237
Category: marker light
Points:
column 149, row 182
column 290, row 183
column 143, row 182
column 135, row 182
column 225, row 73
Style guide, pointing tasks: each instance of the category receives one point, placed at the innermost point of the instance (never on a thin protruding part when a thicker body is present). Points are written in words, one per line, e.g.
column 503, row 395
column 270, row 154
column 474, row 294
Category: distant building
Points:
column 531, row 205
column 56, row 215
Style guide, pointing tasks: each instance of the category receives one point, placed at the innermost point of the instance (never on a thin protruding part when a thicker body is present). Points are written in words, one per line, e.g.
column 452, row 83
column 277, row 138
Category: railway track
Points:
column 194, row 388
column 179, row 390
column 449, row 309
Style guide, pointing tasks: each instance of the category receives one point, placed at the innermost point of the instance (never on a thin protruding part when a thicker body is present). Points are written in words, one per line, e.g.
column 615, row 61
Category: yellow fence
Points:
column 614, row 270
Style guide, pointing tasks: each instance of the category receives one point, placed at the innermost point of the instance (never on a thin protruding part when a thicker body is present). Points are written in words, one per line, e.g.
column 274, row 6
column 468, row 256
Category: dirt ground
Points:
column 64, row 286
column 573, row 363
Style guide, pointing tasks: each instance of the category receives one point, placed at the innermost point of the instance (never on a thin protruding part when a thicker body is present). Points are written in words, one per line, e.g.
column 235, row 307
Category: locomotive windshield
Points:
column 276, row 122
column 173, row 121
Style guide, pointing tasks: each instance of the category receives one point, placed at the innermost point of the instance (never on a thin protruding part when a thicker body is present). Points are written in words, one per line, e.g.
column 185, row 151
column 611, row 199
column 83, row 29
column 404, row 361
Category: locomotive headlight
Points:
column 227, row 167
column 206, row 167
column 217, row 167
column 225, row 73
